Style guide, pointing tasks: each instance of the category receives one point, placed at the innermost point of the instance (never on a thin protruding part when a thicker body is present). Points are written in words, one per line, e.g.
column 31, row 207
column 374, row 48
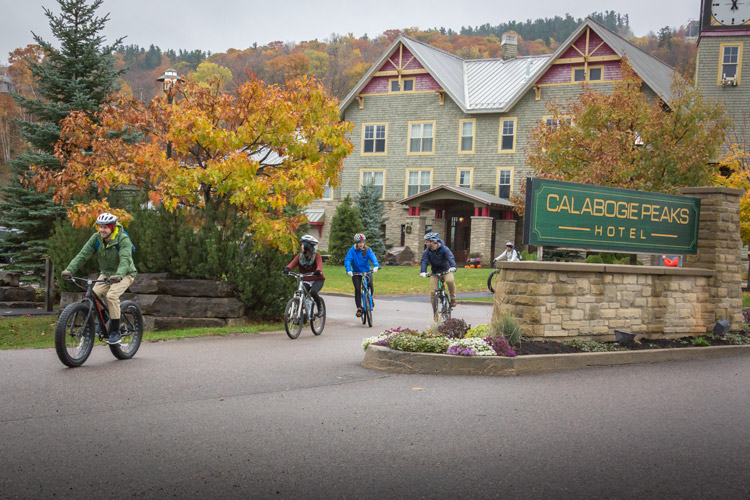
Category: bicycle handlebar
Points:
column 88, row 281
column 439, row 274
column 297, row 275
column 362, row 274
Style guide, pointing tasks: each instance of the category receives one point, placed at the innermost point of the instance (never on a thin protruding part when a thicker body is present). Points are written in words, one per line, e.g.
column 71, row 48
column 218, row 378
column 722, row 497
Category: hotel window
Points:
column 466, row 136
column 553, row 122
column 504, row 182
column 374, row 138
column 327, row 192
column 407, row 85
column 418, row 181
column 595, row 74
column 463, row 177
column 731, row 63
column 421, row 135
column 376, row 177
column 508, row 135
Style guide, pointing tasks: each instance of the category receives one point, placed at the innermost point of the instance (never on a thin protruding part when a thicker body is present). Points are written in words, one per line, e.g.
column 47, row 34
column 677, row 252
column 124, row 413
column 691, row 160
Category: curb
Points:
column 384, row 358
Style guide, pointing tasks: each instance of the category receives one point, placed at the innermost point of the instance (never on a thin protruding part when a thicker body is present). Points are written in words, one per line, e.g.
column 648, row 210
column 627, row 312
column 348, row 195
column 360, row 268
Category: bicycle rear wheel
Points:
column 318, row 320
column 131, row 328
column 293, row 317
column 74, row 336
column 445, row 307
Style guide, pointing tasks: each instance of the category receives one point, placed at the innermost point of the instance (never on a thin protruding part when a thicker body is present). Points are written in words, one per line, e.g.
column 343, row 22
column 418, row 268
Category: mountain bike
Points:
column 367, row 302
column 76, row 332
column 441, row 302
column 302, row 308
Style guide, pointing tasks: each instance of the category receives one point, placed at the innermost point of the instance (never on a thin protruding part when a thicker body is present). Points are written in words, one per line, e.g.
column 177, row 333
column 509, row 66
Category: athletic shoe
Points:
column 453, row 303
column 359, row 313
column 115, row 338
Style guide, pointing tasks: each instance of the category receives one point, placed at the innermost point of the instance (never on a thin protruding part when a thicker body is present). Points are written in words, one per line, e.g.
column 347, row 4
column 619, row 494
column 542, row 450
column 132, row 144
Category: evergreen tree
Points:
column 371, row 213
column 345, row 224
column 78, row 76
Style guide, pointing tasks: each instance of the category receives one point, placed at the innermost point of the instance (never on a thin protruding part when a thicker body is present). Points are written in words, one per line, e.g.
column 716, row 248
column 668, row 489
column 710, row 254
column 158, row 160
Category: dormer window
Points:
column 595, row 74
column 406, row 85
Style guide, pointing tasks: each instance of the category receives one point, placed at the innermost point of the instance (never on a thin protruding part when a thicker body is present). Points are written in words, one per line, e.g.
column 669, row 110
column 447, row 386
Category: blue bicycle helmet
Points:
column 431, row 237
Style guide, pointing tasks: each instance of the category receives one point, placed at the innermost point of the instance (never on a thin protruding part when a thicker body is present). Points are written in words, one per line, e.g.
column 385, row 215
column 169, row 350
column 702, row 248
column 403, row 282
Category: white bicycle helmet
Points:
column 431, row 237
column 359, row 237
column 309, row 239
column 106, row 218
column 509, row 244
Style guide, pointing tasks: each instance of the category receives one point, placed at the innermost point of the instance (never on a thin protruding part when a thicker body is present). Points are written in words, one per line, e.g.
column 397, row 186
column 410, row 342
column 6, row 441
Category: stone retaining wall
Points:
column 589, row 301
column 13, row 295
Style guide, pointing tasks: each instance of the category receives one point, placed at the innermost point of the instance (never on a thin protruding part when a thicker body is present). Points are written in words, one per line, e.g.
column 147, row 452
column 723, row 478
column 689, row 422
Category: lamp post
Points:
column 169, row 80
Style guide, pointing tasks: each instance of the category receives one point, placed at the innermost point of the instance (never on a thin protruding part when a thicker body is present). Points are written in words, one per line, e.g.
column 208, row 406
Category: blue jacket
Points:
column 358, row 264
column 441, row 259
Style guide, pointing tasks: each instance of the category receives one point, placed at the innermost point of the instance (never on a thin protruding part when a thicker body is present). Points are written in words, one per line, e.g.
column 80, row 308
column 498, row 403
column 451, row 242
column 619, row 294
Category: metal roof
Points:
column 492, row 83
column 470, row 195
column 315, row 214
column 495, row 85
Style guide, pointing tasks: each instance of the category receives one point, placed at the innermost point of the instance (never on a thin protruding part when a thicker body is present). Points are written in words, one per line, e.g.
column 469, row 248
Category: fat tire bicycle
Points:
column 367, row 301
column 441, row 302
column 302, row 309
column 75, row 332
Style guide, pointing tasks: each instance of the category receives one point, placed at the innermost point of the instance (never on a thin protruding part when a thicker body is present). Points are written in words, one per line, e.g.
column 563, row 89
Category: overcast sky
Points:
column 218, row 25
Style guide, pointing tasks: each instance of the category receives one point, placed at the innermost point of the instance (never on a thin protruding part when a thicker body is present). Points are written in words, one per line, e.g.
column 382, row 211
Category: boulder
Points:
column 20, row 305
column 148, row 282
column 9, row 279
column 399, row 256
column 190, row 307
column 195, row 288
column 17, row 294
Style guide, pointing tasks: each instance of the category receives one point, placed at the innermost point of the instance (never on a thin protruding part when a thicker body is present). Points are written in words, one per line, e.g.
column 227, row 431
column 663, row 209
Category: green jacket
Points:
column 111, row 260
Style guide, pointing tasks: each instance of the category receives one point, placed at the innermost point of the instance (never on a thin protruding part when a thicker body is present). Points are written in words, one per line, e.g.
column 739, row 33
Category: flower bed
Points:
column 404, row 339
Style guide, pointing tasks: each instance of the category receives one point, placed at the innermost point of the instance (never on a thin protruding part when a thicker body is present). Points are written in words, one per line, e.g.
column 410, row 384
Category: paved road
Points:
column 262, row 416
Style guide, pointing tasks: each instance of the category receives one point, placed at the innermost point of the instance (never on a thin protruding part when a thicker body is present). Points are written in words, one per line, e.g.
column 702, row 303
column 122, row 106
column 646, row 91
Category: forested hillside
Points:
column 338, row 61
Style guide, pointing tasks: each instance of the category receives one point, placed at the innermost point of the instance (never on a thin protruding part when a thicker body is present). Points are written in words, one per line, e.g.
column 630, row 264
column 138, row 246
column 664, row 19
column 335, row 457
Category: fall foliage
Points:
column 737, row 165
column 257, row 150
column 627, row 140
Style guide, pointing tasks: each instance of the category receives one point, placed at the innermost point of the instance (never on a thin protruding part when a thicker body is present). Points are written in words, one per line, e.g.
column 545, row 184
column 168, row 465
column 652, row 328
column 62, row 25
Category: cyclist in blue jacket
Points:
column 358, row 260
column 441, row 259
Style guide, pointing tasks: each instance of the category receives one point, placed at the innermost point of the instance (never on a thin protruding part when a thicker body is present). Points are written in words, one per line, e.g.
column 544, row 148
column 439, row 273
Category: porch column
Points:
column 415, row 239
column 481, row 239
column 505, row 231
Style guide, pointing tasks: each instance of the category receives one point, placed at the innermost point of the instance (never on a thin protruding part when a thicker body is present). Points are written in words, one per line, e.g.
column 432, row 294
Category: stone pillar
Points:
column 415, row 240
column 505, row 231
column 440, row 226
column 720, row 249
column 481, row 238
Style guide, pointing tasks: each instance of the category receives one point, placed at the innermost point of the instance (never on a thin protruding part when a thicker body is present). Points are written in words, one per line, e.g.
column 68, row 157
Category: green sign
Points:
column 565, row 214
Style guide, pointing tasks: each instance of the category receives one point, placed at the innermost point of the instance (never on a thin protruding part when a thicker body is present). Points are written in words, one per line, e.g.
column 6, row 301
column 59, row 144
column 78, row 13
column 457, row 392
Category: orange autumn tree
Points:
column 257, row 151
column 626, row 139
column 737, row 163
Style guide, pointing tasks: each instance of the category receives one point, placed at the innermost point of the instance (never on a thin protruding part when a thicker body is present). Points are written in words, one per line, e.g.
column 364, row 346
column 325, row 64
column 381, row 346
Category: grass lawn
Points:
column 404, row 279
column 746, row 300
column 39, row 332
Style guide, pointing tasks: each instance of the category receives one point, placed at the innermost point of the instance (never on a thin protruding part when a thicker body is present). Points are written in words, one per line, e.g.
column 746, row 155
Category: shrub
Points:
column 64, row 244
column 594, row 346
column 701, row 342
column 501, row 346
column 454, row 328
column 509, row 327
column 479, row 331
column 528, row 256
column 594, row 259
column 345, row 223
column 414, row 342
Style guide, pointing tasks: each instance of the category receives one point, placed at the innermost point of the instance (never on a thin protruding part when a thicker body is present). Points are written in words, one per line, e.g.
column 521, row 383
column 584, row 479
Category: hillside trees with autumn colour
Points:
column 626, row 139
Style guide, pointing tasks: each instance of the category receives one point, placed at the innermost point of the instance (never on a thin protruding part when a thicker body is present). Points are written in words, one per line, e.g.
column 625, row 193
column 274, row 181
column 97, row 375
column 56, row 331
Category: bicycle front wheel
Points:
column 131, row 329
column 74, row 336
column 293, row 318
column 318, row 320
column 367, row 312
column 445, row 307
column 491, row 280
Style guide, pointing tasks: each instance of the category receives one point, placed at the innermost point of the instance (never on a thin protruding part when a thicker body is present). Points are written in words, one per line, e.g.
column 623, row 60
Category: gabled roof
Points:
column 496, row 85
column 438, row 193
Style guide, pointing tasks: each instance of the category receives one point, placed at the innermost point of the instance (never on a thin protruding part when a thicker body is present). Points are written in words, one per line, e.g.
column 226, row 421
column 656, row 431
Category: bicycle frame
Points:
column 365, row 287
column 441, row 294
column 95, row 303
column 304, row 292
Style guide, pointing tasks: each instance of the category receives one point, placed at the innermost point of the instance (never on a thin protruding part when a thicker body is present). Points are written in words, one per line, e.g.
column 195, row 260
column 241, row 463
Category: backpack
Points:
column 518, row 254
column 117, row 245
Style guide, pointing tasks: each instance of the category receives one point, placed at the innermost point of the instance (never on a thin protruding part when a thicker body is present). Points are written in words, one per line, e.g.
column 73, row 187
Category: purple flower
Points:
column 458, row 350
column 501, row 346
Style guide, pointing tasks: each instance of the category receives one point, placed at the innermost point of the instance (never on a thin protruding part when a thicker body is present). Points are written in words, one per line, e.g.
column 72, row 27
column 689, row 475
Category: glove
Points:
column 350, row 273
column 66, row 275
column 285, row 271
column 451, row 269
column 317, row 272
column 496, row 259
column 115, row 279
column 424, row 275
column 375, row 269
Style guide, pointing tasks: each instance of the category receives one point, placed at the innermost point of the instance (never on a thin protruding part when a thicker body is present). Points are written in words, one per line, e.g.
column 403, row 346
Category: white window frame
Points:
column 421, row 138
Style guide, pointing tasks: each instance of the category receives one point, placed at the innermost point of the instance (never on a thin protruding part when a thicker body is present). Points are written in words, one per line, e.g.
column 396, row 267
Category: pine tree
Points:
column 371, row 213
column 345, row 224
column 78, row 76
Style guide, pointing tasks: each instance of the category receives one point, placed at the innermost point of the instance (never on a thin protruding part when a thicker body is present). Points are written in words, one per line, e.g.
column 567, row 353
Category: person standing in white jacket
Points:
column 510, row 254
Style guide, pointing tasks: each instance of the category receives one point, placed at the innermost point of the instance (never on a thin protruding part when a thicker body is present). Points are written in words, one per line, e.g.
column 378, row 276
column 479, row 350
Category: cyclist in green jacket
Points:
column 114, row 252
